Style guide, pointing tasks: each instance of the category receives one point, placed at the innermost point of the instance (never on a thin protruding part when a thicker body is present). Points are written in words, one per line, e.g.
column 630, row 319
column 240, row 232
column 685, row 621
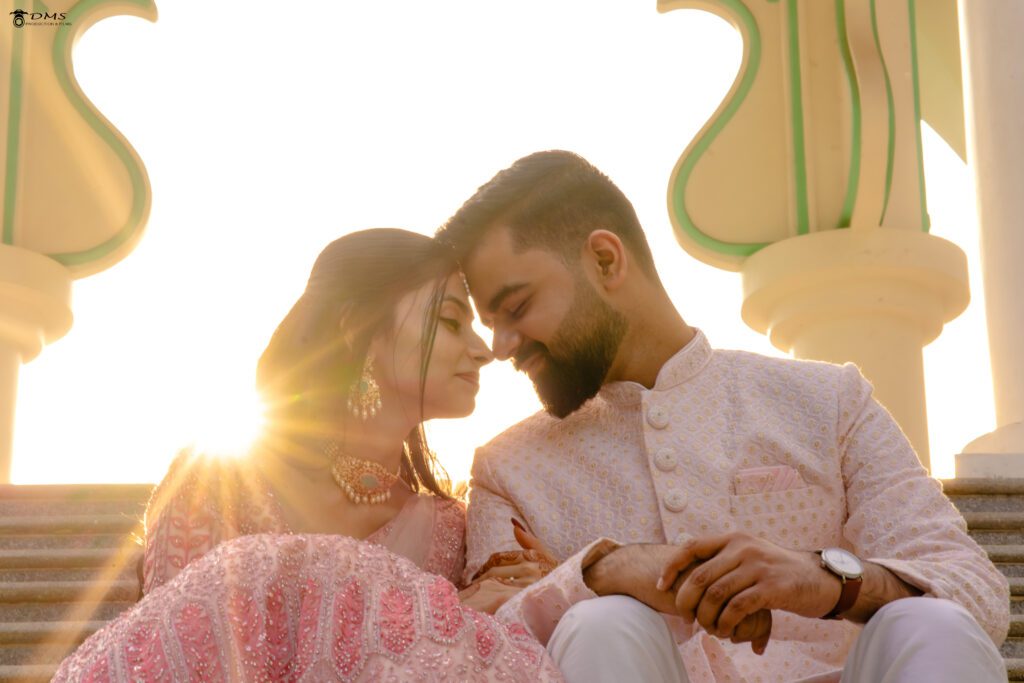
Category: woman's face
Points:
column 453, row 374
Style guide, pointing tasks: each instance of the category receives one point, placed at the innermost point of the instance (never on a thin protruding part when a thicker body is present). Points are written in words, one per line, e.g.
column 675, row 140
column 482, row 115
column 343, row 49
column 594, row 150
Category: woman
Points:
column 346, row 541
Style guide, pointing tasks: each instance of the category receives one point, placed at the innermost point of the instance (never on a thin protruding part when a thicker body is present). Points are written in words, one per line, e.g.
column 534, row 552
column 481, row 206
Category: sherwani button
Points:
column 666, row 460
column 657, row 417
column 675, row 500
column 682, row 537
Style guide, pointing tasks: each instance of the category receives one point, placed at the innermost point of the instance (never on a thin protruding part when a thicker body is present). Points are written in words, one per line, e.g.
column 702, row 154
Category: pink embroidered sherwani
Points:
column 795, row 452
column 233, row 595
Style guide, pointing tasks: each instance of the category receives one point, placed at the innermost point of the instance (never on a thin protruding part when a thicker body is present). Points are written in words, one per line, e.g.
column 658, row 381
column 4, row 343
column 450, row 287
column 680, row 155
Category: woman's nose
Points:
column 479, row 352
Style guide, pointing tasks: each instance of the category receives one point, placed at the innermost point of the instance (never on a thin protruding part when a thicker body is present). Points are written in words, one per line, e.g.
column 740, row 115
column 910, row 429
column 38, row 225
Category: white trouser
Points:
column 617, row 638
column 923, row 639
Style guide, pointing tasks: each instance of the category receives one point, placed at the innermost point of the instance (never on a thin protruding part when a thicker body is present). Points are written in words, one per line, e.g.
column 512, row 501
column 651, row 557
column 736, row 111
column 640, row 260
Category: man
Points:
column 771, row 503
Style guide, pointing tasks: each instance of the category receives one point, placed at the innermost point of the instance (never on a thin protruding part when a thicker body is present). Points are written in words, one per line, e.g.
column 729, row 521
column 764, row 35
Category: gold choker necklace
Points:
column 363, row 481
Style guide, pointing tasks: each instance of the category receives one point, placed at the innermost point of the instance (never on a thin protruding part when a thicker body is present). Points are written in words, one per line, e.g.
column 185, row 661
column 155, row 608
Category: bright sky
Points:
column 268, row 133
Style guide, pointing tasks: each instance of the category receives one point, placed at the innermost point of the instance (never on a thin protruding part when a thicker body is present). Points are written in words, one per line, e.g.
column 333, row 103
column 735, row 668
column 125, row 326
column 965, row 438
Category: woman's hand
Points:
column 519, row 567
column 532, row 544
column 487, row 595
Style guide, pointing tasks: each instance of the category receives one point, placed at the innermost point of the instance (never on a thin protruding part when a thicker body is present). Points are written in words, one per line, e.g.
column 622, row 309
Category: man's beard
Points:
column 584, row 347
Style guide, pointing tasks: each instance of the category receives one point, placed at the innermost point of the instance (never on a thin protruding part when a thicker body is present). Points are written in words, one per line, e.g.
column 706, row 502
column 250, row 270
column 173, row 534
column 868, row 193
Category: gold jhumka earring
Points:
column 364, row 394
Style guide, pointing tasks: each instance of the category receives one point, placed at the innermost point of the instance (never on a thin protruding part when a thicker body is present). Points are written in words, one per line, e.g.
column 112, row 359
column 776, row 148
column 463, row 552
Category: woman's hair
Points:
column 318, row 351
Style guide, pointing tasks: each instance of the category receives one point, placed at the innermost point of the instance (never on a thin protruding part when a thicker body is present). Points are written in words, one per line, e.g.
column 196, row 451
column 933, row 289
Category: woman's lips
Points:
column 471, row 377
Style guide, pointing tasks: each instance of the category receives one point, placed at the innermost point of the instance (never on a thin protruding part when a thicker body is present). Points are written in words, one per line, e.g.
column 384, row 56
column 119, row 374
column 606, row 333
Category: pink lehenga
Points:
column 232, row 595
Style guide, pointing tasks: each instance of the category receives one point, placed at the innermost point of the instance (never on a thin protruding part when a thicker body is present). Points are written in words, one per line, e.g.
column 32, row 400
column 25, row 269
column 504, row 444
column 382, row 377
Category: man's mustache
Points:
column 526, row 352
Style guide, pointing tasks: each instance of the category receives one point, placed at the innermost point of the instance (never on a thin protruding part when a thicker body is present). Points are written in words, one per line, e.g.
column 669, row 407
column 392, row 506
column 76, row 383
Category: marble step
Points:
column 12, row 655
column 1013, row 648
column 27, row 632
column 27, row 673
column 57, row 541
column 996, row 528
column 41, row 501
column 997, row 537
column 14, row 612
column 986, row 495
column 69, row 591
column 107, row 523
column 995, row 520
column 1014, row 669
column 109, row 557
column 83, row 574
column 47, row 643
column 77, row 493
column 984, row 486
column 1010, row 554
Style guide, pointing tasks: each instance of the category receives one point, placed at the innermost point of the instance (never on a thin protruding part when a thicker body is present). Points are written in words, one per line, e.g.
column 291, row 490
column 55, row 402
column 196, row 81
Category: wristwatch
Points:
column 849, row 569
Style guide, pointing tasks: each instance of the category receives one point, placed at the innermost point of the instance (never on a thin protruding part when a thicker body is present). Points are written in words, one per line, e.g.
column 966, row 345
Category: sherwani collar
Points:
column 680, row 368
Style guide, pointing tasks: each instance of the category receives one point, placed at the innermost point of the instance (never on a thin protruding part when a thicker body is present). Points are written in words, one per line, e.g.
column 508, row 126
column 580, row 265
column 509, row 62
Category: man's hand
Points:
column 634, row 570
column 733, row 577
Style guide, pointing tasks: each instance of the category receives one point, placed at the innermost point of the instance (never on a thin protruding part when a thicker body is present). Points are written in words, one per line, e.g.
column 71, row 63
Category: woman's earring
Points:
column 364, row 394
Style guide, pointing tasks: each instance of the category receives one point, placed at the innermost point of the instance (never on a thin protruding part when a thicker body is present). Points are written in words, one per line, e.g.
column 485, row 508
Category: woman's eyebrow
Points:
column 461, row 304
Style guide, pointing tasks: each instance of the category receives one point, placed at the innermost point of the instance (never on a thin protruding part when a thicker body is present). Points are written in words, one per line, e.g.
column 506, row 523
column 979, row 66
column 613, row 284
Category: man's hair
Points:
column 551, row 200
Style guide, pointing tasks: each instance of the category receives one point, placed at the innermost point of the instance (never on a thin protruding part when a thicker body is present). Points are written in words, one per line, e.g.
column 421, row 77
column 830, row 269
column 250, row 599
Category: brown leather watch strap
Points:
column 847, row 598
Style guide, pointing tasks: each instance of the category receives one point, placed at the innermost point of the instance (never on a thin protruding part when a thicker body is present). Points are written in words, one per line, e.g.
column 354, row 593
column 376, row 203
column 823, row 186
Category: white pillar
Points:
column 874, row 297
column 35, row 309
column 993, row 60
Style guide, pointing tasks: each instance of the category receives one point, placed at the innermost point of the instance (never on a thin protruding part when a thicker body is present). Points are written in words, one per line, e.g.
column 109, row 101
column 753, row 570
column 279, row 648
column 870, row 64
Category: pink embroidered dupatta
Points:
column 231, row 595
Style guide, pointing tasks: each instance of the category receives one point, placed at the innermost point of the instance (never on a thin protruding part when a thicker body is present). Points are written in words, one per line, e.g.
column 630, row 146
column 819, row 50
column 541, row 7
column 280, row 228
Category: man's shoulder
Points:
column 525, row 433
column 761, row 369
column 538, row 429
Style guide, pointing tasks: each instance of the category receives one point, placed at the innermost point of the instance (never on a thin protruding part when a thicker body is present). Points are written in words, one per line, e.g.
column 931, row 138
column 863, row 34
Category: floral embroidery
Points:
column 300, row 606
column 247, row 626
column 396, row 626
column 446, row 618
column 311, row 597
column 99, row 673
column 349, row 612
column 145, row 656
column 195, row 633
column 487, row 641
column 280, row 658
column 227, row 580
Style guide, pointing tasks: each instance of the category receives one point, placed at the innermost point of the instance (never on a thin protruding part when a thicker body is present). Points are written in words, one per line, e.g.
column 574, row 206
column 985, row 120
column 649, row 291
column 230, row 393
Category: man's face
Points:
column 547, row 318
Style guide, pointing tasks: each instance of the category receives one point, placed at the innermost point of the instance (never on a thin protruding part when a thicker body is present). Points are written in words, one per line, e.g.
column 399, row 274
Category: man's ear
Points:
column 606, row 259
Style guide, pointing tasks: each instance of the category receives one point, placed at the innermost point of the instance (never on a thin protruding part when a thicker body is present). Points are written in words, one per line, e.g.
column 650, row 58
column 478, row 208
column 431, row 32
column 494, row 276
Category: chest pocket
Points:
column 799, row 516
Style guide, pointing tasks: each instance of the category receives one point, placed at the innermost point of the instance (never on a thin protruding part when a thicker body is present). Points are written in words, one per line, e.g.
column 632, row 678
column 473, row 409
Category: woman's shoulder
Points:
column 197, row 476
column 449, row 507
column 450, row 520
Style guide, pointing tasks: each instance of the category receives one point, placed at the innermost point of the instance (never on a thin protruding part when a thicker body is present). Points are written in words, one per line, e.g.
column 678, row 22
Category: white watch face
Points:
column 842, row 562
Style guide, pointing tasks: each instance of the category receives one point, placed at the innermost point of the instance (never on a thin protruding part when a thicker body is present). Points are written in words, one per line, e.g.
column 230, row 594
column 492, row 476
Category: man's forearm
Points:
column 633, row 570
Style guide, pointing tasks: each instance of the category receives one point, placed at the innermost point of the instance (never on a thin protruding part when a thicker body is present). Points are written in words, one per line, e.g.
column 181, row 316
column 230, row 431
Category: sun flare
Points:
column 230, row 429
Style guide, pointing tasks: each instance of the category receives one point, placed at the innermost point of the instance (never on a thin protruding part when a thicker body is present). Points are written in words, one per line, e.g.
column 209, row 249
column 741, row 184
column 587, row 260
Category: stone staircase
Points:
column 994, row 510
column 69, row 562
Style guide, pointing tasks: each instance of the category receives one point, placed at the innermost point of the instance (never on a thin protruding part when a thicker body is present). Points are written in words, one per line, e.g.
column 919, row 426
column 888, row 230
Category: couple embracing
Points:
column 676, row 513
